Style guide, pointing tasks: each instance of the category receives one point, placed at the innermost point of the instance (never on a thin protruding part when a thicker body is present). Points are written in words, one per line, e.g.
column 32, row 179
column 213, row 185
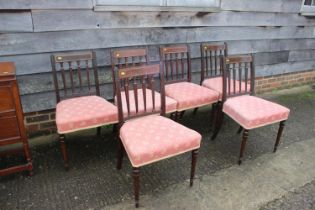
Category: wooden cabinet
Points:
column 12, row 130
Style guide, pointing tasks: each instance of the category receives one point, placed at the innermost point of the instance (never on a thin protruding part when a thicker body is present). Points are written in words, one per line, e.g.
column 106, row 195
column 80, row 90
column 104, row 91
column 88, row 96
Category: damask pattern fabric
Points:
column 153, row 138
column 169, row 102
column 217, row 85
column 84, row 112
column 252, row 112
column 189, row 95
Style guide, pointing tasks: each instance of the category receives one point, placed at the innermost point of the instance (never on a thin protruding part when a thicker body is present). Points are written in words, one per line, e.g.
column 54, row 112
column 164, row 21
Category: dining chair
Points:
column 211, row 72
column 147, row 136
column 177, row 72
column 79, row 105
column 241, row 105
column 124, row 58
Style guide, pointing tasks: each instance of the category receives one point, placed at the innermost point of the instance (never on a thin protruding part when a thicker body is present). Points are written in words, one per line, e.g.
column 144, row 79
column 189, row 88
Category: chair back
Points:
column 123, row 58
column 210, row 59
column 75, row 74
column 238, row 75
column 177, row 63
column 134, row 82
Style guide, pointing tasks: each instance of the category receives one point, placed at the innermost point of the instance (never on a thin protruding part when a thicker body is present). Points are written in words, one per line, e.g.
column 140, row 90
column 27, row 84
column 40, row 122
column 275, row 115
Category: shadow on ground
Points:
column 93, row 182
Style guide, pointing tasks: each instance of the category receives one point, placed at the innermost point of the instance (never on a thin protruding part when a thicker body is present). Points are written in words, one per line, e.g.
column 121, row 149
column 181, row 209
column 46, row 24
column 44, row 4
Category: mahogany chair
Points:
column 79, row 105
column 124, row 58
column 211, row 72
column 146, row 135
column 241, row 105
column 177, row 73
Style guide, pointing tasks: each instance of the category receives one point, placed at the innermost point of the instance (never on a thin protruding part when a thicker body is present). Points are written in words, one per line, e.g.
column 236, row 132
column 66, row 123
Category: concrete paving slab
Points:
column 299, row 199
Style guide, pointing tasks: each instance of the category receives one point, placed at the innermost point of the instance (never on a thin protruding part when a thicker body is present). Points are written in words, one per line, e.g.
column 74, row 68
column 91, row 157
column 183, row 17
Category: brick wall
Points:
column 43, row 122
column 269, row 83
column 40, row 123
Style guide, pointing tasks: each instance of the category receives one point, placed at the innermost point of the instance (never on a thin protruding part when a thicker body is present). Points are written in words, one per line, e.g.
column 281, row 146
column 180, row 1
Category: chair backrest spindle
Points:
column 80, row 74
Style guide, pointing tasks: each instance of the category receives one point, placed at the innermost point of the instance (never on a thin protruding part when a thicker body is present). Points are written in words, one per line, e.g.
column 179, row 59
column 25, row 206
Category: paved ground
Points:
column 302, row 198
column 248, row 186
column 94, row 183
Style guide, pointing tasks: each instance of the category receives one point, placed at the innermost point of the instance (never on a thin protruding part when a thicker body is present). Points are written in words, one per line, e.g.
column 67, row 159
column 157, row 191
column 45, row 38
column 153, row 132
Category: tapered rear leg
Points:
column 243, row 144
column 194, row 155
column 280, row 130
column 136, row 184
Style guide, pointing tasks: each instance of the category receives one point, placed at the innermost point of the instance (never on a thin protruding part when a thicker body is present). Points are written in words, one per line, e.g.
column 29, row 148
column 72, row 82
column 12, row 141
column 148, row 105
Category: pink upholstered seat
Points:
column 216, row 84
column 84, row 112
column 252, row 112
column 153, row 138
column 189, row 95
column 169, row 102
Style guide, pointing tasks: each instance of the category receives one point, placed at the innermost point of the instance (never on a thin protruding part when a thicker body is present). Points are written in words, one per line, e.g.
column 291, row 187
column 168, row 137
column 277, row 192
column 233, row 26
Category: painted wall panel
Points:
column 300, row 49
column 44, row 4
column 59, row 20
column 15, row 22
column 28, row 43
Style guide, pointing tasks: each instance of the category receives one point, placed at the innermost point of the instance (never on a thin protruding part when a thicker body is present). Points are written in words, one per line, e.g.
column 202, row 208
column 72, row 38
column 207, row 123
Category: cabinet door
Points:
column 6, row 98
column 9, row 127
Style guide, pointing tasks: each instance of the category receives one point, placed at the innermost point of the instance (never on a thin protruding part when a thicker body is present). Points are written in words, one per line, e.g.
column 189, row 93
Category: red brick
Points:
column 32, row 128
column 275, row 85
column 289, row 77
column 266, row 86
column 281, row 78
column 53, row 116
column 272, row 80
column 260, row 82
